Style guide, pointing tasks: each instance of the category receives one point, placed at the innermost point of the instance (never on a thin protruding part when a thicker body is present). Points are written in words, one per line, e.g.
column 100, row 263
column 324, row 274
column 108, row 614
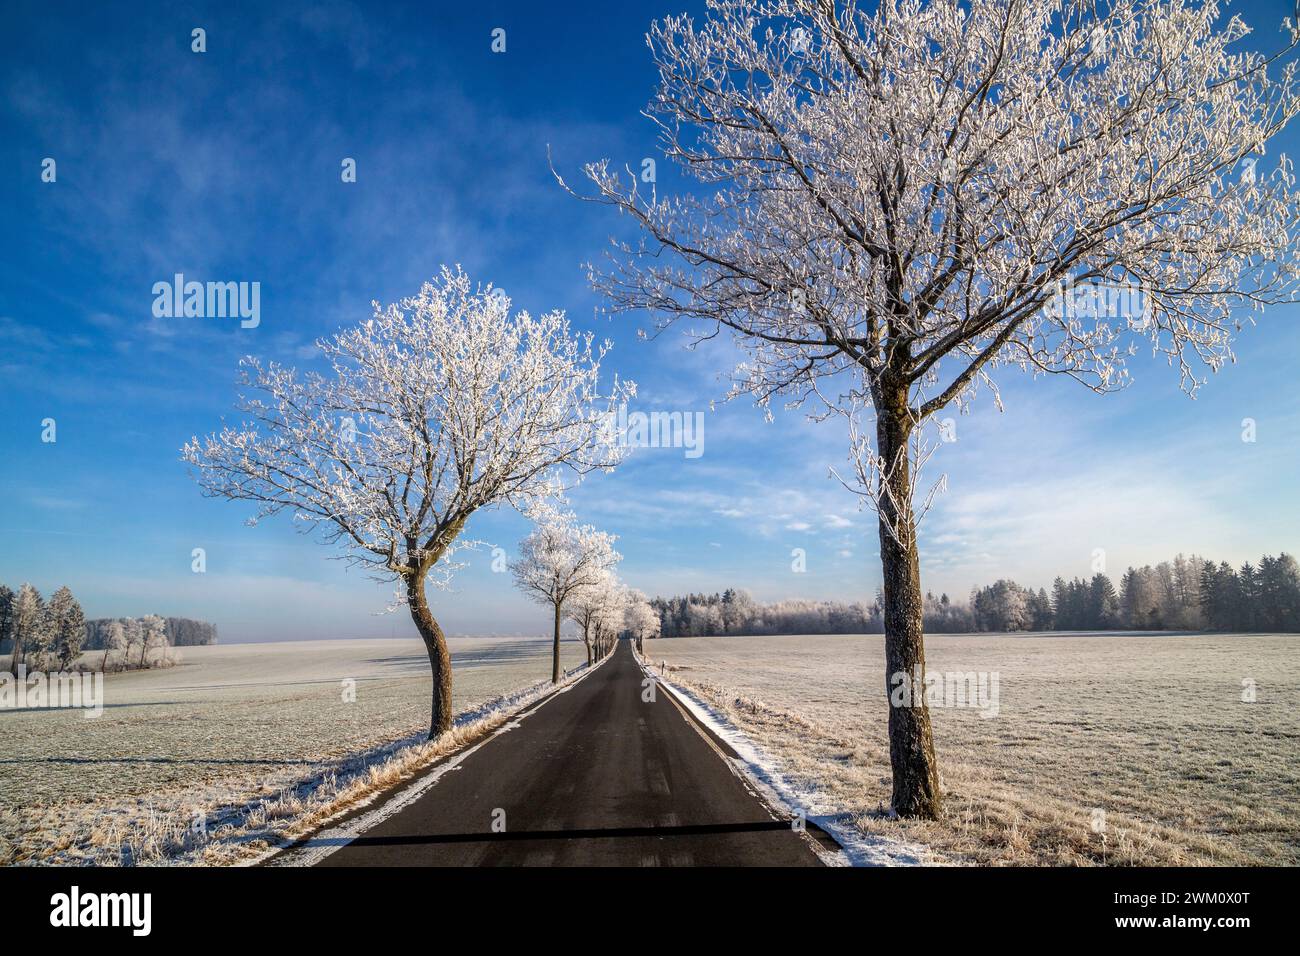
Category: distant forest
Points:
column 1186, row 594
column 181, row 632
column 40, row 634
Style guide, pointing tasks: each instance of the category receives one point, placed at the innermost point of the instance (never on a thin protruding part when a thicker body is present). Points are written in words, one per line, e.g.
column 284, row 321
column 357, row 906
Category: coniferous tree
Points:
column 6, row 616
column 1060, row 605
column 1040, row 611
column 1248, row 598
column 1103, row 604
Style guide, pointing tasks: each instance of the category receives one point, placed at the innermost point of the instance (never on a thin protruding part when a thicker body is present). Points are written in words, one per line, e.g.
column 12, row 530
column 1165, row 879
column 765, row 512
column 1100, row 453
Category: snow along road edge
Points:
column 302, row 852
column 856, row 848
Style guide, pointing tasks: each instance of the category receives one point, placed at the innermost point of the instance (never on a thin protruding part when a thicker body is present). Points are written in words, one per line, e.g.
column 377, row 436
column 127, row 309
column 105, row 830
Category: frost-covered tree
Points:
column 133, row 629
column 895, row 200
column 609, row 622
column 1002, row 606
column 154, row 636
column 640, row 619
column 706, row 619
column 67, row 625
column 31, row 626
column 558, row 560
column 115, row 640
column 586, row 605
column 437, row 406
column 737, row 608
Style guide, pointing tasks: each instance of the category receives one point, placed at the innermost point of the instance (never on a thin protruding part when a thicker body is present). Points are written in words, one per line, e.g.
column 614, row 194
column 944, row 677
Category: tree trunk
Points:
column 911, row 744
column 586, row 640
column 555, row 649
column 435, row 643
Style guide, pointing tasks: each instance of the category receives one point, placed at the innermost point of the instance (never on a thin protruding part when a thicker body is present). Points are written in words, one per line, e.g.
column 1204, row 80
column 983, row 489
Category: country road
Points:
column 593, row 776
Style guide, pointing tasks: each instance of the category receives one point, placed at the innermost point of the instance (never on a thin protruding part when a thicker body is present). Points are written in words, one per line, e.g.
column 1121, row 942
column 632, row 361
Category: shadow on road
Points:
column 599, row 833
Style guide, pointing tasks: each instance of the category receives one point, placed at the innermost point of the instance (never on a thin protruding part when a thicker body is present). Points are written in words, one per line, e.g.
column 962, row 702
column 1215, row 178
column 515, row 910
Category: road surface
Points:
column 595, row 776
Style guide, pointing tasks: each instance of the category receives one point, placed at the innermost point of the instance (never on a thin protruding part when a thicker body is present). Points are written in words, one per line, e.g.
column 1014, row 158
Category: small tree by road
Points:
column 608, row 623
column 640, row 619
column 437, row 406
column 586, row 606
column 558, row 560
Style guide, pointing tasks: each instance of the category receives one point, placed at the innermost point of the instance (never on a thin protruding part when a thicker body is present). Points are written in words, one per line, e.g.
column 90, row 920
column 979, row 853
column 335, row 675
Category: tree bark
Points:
column 435, row 643
column 555, row 649
column 911, row 743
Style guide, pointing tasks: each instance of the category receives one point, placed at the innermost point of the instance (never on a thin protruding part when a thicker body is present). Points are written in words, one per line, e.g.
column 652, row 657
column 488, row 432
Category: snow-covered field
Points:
column 230, row 725
column 1105, row 749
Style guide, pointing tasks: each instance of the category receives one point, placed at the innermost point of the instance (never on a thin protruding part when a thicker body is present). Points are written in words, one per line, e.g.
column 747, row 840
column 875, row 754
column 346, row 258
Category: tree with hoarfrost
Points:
column 558, row 560
column 30, row 626
column 134, row 632
column 587, row 605
column 115, row 641
column 639, row 619
column 608, row 622
column 155, row 637
column 894, row 202
column 67, row 626
column 437, row 406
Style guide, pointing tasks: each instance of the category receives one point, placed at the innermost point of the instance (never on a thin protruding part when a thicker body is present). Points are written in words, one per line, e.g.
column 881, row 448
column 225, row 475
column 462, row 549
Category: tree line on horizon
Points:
column 1188, row 593
column 40, row 634
column 180, row 631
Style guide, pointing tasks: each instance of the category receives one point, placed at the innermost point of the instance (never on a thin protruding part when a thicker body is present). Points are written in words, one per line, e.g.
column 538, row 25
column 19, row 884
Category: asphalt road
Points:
column 595, row 776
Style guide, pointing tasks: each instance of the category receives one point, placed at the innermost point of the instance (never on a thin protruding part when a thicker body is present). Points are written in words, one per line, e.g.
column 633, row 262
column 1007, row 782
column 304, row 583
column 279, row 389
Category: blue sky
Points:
column 226, row 166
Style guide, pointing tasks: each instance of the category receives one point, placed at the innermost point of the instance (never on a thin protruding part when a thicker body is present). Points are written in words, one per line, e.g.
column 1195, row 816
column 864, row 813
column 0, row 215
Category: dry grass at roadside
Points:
column 1150, row 730
column 258, row 745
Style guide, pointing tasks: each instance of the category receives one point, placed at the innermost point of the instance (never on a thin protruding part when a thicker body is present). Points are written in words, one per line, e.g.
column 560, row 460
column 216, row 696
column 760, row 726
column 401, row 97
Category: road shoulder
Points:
column 837, row 842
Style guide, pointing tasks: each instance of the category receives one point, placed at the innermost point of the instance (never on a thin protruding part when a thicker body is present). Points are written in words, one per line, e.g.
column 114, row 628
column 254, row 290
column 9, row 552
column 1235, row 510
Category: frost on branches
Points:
column 560, row 560
column 438, row 405
column 891, row 200
column 640, row 619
